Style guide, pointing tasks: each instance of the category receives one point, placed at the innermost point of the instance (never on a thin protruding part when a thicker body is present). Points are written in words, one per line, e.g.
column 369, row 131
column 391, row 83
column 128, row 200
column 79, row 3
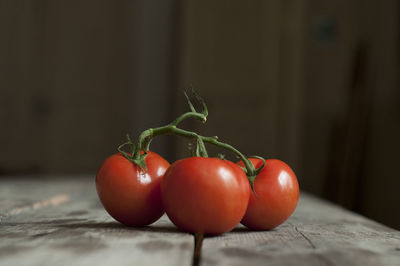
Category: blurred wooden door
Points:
column 233, row 53
column 75, row 77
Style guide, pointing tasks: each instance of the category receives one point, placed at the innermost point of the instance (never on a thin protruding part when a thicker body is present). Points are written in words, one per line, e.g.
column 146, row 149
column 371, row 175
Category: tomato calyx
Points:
column 253, row 172
column 140, row 161
column 258, row 170
column 252, row 176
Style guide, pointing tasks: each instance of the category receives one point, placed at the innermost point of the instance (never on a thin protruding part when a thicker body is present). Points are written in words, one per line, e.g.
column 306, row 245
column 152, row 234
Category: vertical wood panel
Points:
column 229, row 55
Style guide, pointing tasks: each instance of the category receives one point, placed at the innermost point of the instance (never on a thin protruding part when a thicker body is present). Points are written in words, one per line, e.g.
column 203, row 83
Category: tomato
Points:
column 129, row 195
column 277, row 192
column 205, row 195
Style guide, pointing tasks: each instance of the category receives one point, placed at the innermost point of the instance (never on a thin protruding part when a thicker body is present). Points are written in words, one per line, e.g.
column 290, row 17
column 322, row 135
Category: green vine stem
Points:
column 149, row 134
column 139, row 150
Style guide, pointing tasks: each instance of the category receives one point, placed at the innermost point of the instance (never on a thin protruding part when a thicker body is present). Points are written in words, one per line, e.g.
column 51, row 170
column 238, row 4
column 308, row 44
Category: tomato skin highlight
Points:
column 205, row 195
column 130, row 196
column 277, row 192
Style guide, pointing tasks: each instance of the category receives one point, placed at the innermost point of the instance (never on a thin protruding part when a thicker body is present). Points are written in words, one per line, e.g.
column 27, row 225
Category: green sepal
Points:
column 128, row 142
column 244, row 169
column 251, row 181
column 130, row 156
column 221, row 156
column 204, row 112
column 141, row 162
column 203, row 104
column 190, row 103
column 258, row 170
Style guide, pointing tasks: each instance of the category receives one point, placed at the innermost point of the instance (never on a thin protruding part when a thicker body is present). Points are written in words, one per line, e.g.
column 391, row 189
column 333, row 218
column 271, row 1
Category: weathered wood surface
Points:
column 61, row 222
column 318, row 233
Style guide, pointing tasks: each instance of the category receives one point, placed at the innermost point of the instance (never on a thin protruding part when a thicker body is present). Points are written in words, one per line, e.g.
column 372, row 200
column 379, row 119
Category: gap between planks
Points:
column 198, row 243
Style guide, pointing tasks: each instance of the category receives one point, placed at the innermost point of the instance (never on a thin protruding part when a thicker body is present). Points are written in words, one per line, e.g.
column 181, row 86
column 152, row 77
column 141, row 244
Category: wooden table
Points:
column 60, row 221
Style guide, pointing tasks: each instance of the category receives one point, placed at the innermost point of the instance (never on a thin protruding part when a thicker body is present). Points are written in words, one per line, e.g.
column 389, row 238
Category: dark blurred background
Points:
column 314, row 83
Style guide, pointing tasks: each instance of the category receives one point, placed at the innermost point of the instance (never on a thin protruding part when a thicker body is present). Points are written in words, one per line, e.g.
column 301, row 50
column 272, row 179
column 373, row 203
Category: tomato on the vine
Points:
column 130, row 195
column 277, row 194
column 205, row 195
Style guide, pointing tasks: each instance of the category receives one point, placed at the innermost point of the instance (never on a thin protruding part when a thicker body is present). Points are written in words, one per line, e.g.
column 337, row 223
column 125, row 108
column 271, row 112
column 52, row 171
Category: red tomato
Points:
column 129, row 195
column 277, row 192
column 205, row 195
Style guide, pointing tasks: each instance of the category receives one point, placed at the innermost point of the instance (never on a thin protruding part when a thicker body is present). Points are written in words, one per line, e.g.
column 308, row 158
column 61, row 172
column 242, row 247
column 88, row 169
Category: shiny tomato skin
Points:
column 205, row 195
column 129, row 195
column 277, row 192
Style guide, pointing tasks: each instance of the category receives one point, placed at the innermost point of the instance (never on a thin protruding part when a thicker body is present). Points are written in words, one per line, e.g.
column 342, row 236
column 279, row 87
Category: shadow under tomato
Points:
column 119, row 226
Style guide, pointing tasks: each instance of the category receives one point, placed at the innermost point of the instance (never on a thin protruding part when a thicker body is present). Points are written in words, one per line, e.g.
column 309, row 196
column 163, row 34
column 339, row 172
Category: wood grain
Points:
column 318, row 233
column 59, row 222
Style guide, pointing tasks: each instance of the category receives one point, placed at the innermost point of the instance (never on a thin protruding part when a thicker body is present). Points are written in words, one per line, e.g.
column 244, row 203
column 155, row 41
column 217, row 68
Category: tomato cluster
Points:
column 199, row 194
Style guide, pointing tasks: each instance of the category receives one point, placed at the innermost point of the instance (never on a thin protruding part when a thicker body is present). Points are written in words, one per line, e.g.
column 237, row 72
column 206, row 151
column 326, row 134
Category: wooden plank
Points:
column 318, row 233
column 78, row 231
column 62, row 222
column 18, row 194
